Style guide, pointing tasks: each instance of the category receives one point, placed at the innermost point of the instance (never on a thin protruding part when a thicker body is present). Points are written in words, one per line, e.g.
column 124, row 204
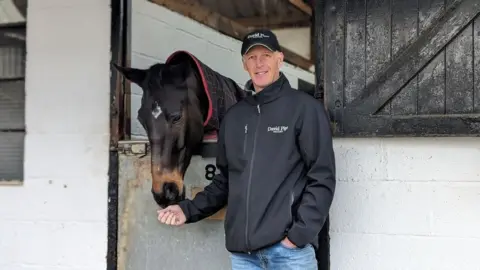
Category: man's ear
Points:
column 280, row 58
column 132, row 74
column 244, row 64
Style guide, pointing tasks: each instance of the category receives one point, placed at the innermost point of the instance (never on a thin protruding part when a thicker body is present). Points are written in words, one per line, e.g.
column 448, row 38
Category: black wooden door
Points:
column 402, row 67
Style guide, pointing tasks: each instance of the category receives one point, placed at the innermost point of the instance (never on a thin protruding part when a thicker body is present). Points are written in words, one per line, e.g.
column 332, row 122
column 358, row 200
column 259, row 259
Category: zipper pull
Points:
column 246, row 128
column 258, row 108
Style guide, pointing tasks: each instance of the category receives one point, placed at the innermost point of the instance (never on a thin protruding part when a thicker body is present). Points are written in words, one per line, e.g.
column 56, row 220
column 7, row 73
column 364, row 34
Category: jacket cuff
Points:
column 184, row 205
column 297, row 237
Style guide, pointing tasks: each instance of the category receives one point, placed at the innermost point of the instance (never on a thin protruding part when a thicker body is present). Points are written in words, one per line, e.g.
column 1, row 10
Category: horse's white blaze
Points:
column 156, row 111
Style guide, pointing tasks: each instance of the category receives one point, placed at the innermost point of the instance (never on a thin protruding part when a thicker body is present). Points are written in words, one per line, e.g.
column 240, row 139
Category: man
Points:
column 277, row 169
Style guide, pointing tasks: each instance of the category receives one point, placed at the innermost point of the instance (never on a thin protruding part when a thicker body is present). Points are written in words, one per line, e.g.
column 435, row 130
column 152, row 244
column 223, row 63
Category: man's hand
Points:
column 288, row 243
column 172, row 215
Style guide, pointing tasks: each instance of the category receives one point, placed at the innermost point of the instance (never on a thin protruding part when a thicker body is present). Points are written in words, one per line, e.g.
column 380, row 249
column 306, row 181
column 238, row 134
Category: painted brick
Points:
column 69, row 93
column 67, row 4
column 380, row 251
column 79, row 244
column 415, row 159
column 78, row 156
column 382, row 207
column 360, row 160
column 57, row 219
column 55, row 199
column 39, row 267
column 400, row 207
column 144, row 8
column 455, row 209
column 428, row 159
column 136, row 128
column 406, row 203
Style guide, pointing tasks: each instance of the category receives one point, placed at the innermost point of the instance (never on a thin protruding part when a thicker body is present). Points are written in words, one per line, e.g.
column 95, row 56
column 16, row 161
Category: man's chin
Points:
column 262, row 83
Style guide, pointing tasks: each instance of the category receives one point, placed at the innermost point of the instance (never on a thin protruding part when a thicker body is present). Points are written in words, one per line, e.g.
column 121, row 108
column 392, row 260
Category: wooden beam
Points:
column 411, row 125
column 220, row 215
column 13, row 37
column 275, row 22
column 302, row 6
column 224, row 25
column 21, row 5
column 416, row 56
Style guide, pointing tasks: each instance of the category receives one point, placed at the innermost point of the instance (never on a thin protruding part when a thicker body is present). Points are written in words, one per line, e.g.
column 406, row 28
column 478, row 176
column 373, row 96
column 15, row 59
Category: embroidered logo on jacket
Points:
column 277, row 129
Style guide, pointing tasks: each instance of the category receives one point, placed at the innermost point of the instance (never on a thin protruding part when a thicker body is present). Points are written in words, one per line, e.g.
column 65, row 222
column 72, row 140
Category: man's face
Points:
column 263, row 66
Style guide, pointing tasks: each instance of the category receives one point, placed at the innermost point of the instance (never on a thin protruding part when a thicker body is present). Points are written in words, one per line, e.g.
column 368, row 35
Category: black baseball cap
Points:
column 265, row 38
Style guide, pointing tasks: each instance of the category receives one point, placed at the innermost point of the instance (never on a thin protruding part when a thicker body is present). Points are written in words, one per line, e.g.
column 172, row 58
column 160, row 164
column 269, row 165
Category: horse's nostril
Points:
column 171, row 192
column 159, row 199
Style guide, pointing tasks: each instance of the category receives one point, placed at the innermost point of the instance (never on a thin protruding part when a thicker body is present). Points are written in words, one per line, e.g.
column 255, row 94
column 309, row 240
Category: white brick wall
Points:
column 58, row 218
column 410, row 203
column 157, row 32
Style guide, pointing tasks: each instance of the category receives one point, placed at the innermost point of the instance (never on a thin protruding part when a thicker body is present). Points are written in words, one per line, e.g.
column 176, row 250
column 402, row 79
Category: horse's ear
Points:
column 134, row 75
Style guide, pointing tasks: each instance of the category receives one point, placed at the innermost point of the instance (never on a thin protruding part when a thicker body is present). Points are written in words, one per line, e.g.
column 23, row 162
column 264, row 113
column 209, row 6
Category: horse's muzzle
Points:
column 170, row 195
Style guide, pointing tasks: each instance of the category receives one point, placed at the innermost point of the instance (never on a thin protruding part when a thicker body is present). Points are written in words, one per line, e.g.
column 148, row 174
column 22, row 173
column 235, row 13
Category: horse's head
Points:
column 172, row 112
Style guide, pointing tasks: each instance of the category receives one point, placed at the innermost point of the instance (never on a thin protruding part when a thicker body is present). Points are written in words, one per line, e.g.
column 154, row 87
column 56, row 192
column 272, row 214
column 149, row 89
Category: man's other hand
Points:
column 286, row 242
column 172, row 215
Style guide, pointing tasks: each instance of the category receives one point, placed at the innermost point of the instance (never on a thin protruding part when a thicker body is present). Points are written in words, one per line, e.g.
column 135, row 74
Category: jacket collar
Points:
column 269, row 93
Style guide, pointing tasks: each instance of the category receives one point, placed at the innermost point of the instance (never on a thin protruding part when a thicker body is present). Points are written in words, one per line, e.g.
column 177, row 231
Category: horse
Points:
column 183, row 102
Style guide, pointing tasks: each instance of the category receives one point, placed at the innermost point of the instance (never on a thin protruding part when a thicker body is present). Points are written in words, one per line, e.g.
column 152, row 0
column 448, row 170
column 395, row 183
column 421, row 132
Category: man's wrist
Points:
column 184, row 206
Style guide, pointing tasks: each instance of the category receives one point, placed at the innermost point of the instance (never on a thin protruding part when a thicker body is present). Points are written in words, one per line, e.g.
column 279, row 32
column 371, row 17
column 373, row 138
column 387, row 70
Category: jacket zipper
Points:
column 250, row 178
column 292, row 199
column 245, row 139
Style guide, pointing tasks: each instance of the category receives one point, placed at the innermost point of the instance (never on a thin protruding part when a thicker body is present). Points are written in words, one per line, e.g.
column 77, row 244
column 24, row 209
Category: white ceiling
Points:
column 9, row 13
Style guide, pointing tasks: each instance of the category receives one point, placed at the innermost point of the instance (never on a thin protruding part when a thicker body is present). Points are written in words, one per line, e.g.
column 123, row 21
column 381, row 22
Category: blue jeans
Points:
column 276, row 257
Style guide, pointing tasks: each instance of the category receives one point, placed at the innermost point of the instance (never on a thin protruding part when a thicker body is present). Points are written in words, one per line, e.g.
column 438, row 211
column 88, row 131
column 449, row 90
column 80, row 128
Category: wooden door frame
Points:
column 120, row 13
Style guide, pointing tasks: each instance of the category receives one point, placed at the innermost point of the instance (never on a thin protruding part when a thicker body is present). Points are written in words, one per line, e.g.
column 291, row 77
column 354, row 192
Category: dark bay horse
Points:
column 183, row 101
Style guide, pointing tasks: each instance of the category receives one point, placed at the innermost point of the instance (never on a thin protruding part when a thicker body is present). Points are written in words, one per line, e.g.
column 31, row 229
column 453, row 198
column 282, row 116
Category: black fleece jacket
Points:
column 276, row 170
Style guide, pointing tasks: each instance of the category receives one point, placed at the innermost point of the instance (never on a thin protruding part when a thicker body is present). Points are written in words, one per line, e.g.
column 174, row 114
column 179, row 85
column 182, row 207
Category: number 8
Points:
column 210, row 171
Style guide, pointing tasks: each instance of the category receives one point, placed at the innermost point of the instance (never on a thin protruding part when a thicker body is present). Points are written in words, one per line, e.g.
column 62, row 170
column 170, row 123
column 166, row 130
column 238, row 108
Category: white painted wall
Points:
column 410, row 203
column 57, row 219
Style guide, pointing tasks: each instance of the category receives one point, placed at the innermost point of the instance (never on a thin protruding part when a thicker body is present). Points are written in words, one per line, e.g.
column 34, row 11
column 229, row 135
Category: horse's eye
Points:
column 175, row 118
